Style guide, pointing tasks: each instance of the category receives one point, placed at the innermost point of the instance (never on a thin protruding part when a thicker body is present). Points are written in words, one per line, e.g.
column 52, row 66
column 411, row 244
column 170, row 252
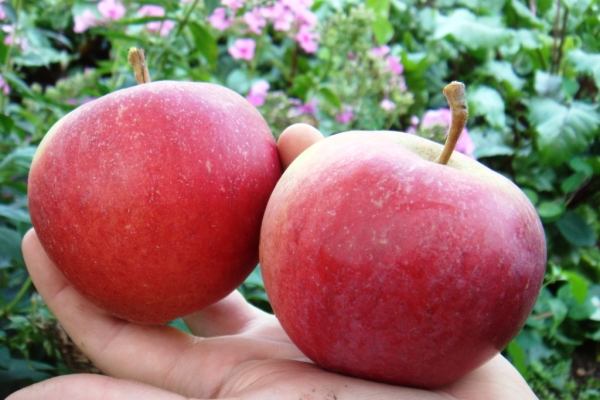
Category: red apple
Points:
column 382, row 264
column 150, row 199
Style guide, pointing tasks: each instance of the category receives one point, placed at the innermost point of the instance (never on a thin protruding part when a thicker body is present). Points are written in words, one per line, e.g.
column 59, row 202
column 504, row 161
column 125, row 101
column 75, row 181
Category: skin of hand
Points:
column 236, row 351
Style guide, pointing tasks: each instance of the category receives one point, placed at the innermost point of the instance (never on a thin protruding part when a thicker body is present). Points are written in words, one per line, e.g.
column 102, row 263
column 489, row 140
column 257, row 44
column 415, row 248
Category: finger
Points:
column 118, row 348
column 294, row 140
column 235, row 316
column 91, row 387
column 161, row 356
column 230, row 316
column 497, row 379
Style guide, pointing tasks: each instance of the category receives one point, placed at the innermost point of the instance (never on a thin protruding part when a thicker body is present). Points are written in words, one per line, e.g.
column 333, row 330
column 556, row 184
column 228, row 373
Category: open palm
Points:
column 236, row 351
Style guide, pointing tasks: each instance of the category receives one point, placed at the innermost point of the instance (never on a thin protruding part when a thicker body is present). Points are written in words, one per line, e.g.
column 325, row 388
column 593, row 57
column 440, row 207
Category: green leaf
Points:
column 22, row 374
column 238, row 80
column 594, row 163
column 525, row 14
column 585, row 63
column 595, row 336
column 20, row 85
column 573, row 182
column 472, row 32
column 489, row 143
column 562, row 131
column 517, row 357
column 6, row 123
column 10, row 244
column 550, row 211
column 255, row 278
column 527, row 39
column 531, row 195
column 14, row 214
column 132, row 40
column 382, row 28
column 576, row 230
column 547, row 85
column 9, row 12
column 559, row 311
column 180, row 324
column 595, row 300
column 578, row 286
column 205, row 42
column 20, row 155
column 487, row 102
column 579, row 164
column 503, row 71
column 331, row 97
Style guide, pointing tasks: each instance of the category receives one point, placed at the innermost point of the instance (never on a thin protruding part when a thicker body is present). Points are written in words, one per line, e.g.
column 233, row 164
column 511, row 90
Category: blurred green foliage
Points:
column 532, row 70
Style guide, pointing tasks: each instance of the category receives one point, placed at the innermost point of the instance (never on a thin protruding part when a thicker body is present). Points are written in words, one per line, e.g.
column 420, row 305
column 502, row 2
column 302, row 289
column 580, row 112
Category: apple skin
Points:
column 383, row 265
column 150, row 199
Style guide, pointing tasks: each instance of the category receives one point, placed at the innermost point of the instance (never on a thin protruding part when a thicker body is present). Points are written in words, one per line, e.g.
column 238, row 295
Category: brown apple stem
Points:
column 457, row 100
column 137, row 60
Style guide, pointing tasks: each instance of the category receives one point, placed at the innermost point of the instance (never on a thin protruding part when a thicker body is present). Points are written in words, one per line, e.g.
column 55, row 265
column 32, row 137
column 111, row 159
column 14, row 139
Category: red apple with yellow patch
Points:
column 384, row 264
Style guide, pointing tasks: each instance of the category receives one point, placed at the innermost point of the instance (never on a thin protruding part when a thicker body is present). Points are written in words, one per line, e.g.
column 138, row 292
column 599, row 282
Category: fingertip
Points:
column 29, row 240
column 40, row 267
column 227, row 317
column 294, row 140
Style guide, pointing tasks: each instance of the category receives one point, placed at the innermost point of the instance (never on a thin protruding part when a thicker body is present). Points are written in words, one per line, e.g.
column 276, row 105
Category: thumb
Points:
column 294, row 140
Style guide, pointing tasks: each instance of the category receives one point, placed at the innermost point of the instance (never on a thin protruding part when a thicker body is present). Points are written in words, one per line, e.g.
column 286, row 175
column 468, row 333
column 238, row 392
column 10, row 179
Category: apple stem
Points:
column 137, row 60
column 457, row 100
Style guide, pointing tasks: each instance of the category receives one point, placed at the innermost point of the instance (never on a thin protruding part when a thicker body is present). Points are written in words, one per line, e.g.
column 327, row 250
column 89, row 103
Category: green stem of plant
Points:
column 7, row 63
column 553, row 66
column 186, row 18
column 24, row 288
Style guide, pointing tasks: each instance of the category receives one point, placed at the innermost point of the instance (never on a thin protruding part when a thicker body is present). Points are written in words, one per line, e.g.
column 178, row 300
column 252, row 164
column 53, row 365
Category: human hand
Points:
column 236, row 351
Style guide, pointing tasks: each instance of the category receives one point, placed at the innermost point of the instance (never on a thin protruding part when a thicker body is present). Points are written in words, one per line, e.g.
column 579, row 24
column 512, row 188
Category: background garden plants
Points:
column 532, row 70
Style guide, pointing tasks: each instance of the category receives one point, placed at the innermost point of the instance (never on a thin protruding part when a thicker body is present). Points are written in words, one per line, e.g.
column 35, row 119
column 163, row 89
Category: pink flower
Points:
column 84, row 21
column 306, row 17
column 111, row 9
column 395, row 65
column 300, row 108
column 308, row 108
column 163, row 27
column 414, row 123
column 243, row 49
column 2, row 14
column 255, row 21
column 233, row 4
column 380, row 51
column 297, row 5
column 387, row 104
column 219, row 19
column 12, row 39
column 306, row 38
column 151, row 11
column 258, row 93
column 4, row 86
column 399, row 82
column 346, row 115
column 167, row 26
column 465, row 144
column 443, row 117
column 281, row 16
